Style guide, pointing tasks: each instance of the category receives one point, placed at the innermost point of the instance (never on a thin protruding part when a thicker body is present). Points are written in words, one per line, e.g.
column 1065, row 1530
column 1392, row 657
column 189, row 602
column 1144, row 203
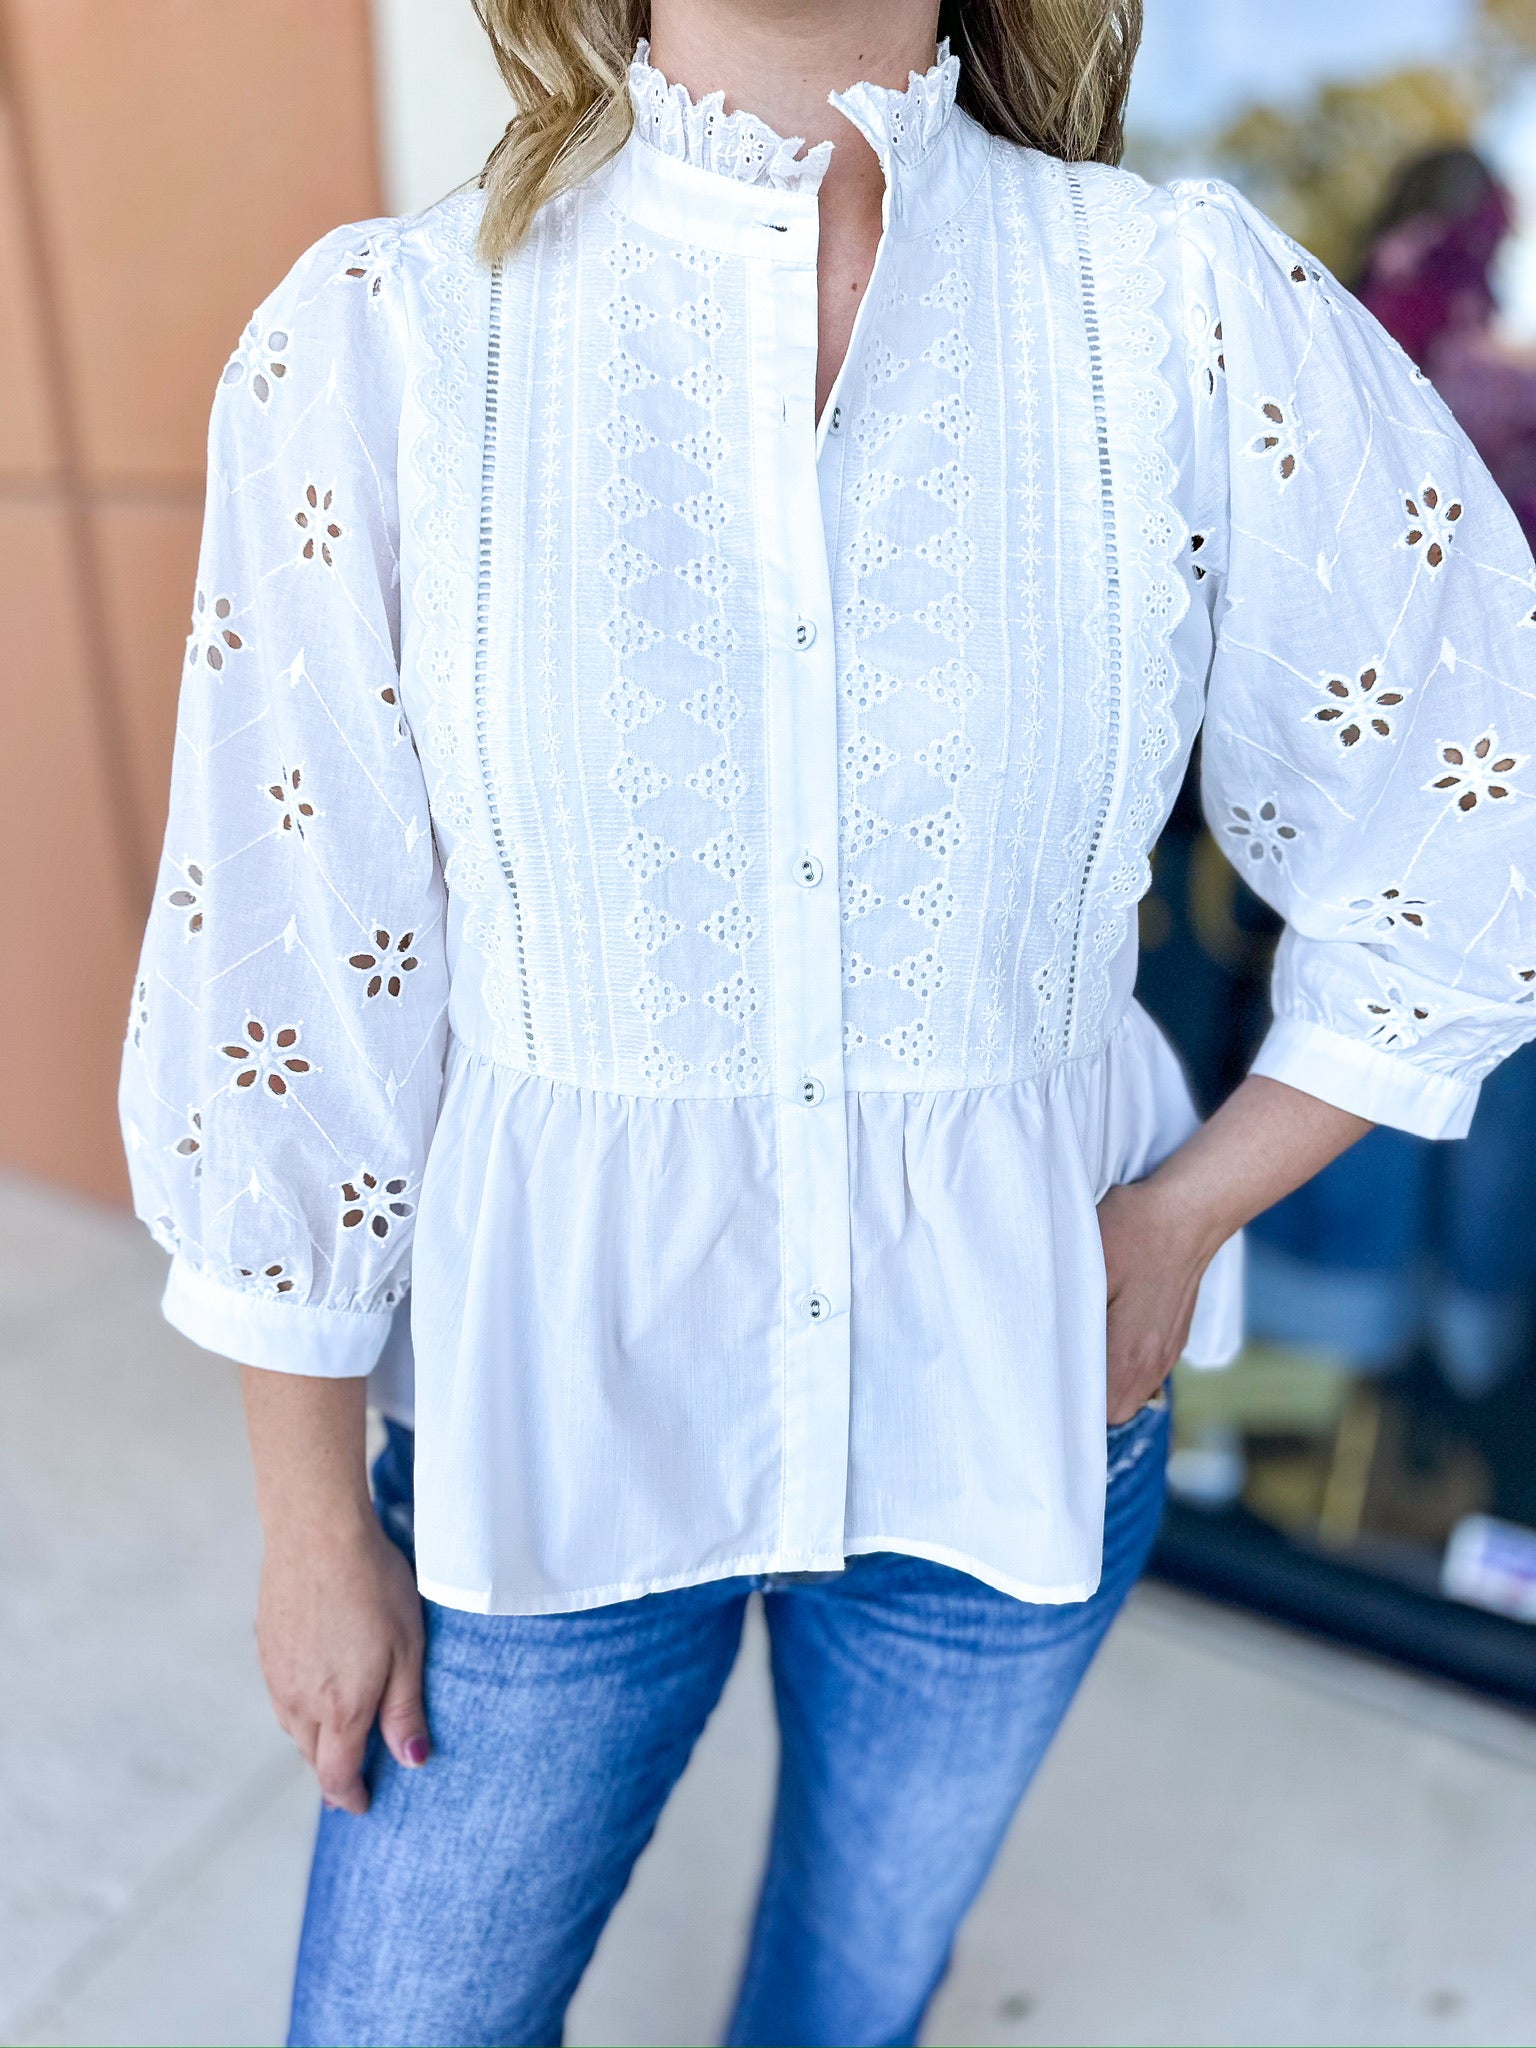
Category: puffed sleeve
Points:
column 1371, row 713
column 283, row 1064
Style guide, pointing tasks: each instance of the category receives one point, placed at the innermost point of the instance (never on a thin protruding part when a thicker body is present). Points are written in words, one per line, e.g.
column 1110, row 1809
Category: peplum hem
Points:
column 599, row 1313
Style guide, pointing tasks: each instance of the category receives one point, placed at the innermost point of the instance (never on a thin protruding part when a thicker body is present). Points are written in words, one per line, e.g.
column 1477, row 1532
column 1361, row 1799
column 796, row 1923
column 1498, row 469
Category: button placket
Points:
column 807, row 927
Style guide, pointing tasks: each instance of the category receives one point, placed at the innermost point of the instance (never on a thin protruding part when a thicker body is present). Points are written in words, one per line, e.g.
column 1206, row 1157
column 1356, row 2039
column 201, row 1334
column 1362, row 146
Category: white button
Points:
column 808, row 870
column 835, row 424
column 818, row 1308
column 811, row 1091
column 805, row 633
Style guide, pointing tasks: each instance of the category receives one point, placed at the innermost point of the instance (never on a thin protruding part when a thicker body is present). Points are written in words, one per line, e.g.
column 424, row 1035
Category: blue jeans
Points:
column 914, row 1705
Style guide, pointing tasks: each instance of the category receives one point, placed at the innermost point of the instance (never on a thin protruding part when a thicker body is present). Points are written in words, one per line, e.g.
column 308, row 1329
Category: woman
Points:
column 694, row 643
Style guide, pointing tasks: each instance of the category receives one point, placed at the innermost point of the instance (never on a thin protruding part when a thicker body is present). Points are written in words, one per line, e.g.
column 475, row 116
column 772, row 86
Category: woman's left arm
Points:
column 1369, row 732
column 1161, row 1233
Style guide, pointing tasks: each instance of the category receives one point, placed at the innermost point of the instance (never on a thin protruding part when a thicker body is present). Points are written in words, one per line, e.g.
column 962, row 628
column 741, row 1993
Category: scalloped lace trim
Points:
column 740, row 146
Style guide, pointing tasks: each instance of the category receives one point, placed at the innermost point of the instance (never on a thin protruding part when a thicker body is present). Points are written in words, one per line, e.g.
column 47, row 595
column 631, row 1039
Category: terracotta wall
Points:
column 162, row 162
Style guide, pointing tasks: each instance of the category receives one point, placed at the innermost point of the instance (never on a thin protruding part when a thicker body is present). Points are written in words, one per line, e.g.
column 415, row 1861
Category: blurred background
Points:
column 1369, row 1465
column 1349, row 1842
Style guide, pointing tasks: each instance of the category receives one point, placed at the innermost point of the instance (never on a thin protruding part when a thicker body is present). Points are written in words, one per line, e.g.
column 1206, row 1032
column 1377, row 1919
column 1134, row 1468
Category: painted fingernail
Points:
column 416, row 1750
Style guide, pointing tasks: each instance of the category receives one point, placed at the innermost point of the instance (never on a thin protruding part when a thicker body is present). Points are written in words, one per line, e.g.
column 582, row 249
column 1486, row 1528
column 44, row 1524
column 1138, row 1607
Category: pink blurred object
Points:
column 1428, row 280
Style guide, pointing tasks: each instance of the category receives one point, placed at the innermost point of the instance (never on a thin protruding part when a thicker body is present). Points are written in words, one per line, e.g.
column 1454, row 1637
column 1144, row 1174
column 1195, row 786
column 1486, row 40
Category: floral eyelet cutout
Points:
column 273, row 1279
column 188, row 896
column 1431, row 525
column 1388, row 909
column 211, row 632
column 1261, row 831
column 297, row 809
column 1358, row 708
column 319, row 526
column 1396, row 1022
column 259, row 362
column 268, row 1059
column 1214, row 367
column 1276, row 441
column 368, row 1203
column 387, row 964
column 389, row 696
column 368, row 267
column 1479, row 772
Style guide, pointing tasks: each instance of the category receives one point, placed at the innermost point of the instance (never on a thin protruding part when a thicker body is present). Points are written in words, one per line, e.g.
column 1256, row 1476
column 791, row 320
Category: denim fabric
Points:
column 914, row 1702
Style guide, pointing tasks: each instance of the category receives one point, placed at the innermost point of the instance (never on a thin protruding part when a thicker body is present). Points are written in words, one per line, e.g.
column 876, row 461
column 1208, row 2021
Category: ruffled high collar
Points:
column 898, row 125
column 905, row 125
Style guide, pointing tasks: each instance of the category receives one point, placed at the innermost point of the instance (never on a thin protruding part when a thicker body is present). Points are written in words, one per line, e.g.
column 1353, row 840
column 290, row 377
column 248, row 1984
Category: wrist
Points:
column 309, row 1452
column 320, row 1527
column 1191, row 1220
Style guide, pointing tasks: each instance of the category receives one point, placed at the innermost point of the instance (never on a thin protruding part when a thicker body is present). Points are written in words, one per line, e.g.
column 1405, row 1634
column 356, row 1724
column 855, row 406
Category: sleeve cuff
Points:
column 1380, row 1086
column 320, row 1343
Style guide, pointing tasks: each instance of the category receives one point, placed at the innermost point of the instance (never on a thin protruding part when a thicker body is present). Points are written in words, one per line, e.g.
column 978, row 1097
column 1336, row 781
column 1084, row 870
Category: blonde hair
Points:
column 1050, row 74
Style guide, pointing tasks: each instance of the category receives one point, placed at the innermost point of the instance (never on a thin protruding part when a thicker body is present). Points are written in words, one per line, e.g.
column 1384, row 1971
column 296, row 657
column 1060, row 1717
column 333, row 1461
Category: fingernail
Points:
column 416, row 1750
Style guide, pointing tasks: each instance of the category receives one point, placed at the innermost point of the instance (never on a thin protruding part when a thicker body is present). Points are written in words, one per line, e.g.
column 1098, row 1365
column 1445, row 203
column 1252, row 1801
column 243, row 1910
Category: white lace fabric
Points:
column 648, row 913
column 736, row 145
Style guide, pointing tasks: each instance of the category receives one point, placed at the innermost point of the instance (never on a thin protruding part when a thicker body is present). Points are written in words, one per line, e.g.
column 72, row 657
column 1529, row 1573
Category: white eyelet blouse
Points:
column 655, row 875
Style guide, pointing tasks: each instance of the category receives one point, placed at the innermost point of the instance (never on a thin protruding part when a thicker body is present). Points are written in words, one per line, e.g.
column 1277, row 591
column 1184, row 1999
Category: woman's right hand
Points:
column 339, row 1621
column 339, row 1629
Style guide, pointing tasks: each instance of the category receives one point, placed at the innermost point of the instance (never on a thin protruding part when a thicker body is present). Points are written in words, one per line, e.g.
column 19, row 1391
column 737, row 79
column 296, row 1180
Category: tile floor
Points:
column 1240, row 1837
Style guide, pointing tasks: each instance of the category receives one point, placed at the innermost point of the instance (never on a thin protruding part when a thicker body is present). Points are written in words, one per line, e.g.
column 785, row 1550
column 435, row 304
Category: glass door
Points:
column 1368, row 1465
